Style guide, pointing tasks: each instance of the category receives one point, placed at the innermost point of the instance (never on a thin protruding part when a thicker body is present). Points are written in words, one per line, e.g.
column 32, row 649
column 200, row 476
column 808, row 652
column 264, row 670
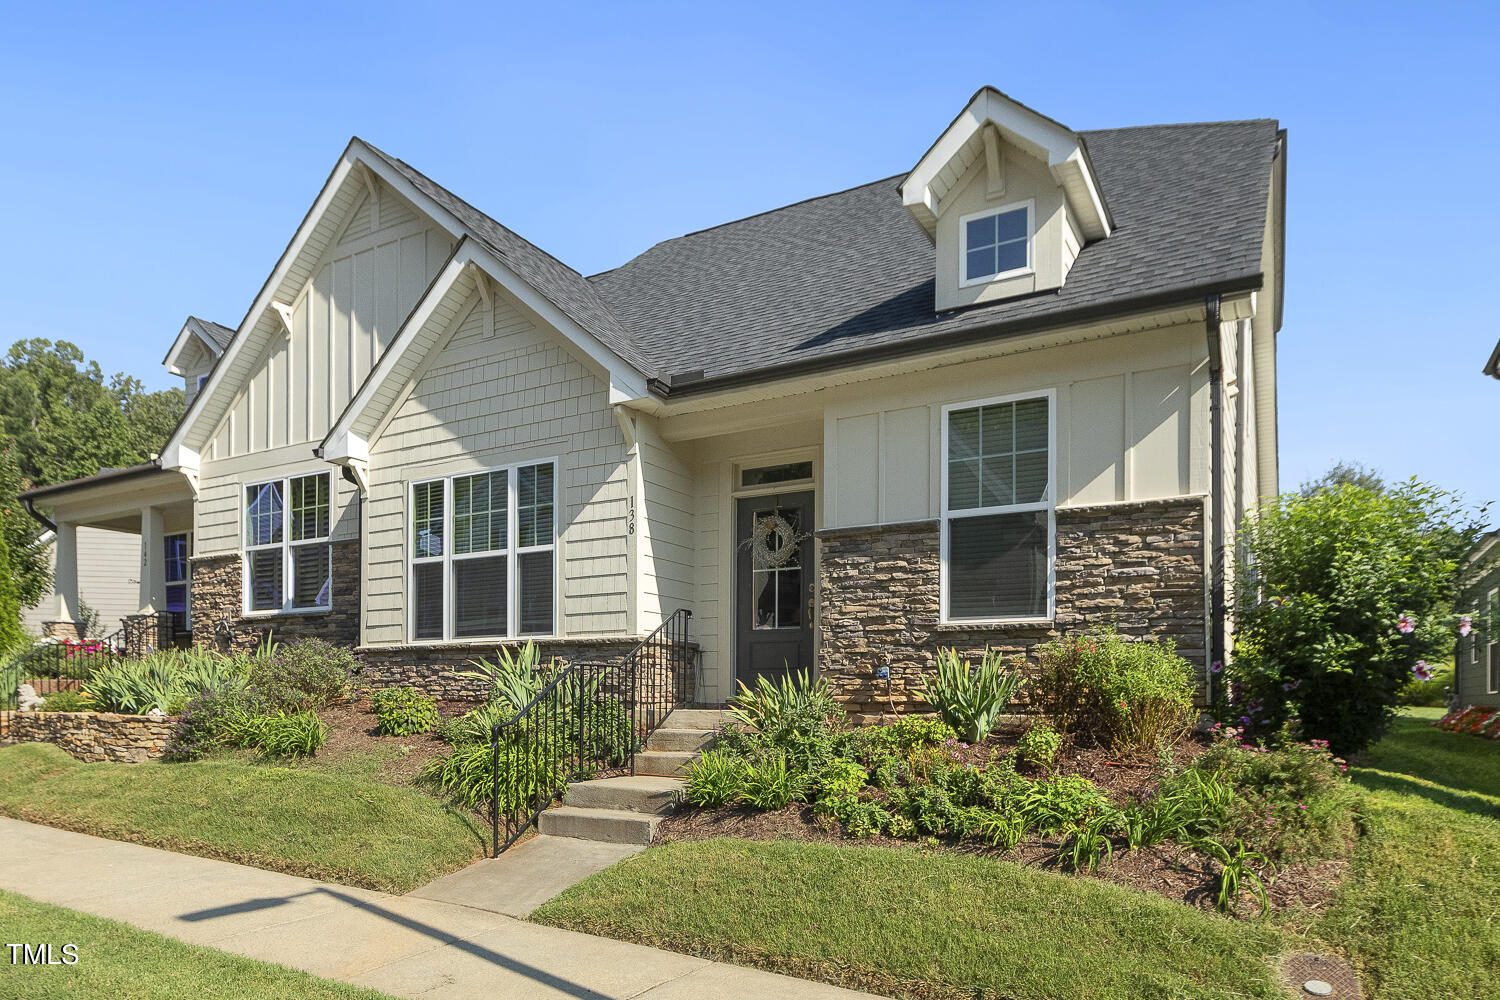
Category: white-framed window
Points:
column 1492, row 642
column 178, row 547
column 288, row 558
column 995, row 243
column 998, row 519
column 483, row 554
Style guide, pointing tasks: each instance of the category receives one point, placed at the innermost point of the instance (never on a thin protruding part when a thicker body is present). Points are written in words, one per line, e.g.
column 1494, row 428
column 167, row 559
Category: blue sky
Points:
column 157, row 159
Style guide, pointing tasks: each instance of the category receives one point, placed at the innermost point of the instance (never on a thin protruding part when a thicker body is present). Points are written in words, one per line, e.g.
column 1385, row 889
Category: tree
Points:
column 1344, row 594
column 1344, row 474
column 28, row 563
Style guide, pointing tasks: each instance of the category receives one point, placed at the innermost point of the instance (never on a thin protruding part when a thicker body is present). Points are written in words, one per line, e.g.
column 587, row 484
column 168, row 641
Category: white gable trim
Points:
column 191, row 330
column 1060, row 148
column 348, row 441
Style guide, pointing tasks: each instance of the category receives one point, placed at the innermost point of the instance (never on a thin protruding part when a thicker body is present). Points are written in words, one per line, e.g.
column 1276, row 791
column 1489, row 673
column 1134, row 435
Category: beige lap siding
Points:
column 218, row 598
column 1138, row 566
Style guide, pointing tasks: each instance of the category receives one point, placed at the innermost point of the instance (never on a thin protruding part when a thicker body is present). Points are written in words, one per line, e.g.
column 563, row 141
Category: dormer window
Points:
column 995, row 243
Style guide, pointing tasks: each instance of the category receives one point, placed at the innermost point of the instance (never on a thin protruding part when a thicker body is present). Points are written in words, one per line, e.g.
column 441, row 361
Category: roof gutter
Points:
column 1211, row 310
column 40, row 518
column 692, row 383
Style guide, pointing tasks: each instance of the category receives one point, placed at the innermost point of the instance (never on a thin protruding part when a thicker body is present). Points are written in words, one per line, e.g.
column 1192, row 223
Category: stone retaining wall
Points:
column 91, row 736
column 218, row 603
column 1137, row 566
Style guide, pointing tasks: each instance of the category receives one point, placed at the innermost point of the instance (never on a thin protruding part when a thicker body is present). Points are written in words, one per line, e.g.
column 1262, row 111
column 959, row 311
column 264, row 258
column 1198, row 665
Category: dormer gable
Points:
column 196, row 350
column 1009, row 197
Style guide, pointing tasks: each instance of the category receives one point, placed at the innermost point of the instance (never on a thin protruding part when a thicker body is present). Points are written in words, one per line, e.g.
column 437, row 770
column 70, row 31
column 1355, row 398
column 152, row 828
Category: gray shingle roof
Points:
column 220, row 334
column 850, row 272
column 560, row 284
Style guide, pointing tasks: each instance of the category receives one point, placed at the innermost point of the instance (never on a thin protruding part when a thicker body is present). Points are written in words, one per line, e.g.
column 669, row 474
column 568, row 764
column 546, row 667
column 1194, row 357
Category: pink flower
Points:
column 1216, row 667
column 1465, row 625
column 1422, row 671
column 1405, row 625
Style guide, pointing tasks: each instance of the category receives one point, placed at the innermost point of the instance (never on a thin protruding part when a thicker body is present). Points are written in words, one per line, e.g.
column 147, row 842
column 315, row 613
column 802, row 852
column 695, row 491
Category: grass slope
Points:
column 910, row 923
column 123, row 963
column 1421, row 917
column 317, row 823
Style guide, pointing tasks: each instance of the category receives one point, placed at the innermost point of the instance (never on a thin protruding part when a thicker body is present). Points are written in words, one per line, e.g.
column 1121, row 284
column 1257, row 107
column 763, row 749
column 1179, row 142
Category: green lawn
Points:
column 1419, row 917
column 123, row 963
column 325, row 824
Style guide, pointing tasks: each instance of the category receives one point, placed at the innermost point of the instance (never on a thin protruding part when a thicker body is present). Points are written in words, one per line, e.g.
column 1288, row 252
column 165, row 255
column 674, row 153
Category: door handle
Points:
column 810, row 610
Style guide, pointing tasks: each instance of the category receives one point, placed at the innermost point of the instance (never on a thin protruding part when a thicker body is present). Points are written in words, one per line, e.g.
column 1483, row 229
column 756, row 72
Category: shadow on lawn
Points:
column 1386, row 781
column 1458, row 762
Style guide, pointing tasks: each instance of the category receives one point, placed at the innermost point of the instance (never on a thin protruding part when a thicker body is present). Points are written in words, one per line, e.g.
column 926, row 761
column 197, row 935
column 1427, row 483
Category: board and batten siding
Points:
column 1131, row 424
column 502, row 392
column 345, row 315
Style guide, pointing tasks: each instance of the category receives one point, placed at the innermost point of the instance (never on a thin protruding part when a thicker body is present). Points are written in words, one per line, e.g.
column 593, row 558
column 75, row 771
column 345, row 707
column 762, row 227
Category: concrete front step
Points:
column 613, row 826
column 679, row 739
column 641, row 793
column 664, row 762
column 694, row 718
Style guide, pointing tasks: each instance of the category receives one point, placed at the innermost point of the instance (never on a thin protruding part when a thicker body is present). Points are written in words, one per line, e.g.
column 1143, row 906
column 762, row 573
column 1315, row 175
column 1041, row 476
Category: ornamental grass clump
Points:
column 970, row 699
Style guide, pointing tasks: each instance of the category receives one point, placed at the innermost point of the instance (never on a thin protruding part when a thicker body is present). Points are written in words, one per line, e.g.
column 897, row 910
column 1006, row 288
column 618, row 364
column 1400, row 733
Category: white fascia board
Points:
column 346, row 441
column 1023, row 127
column 190, row 329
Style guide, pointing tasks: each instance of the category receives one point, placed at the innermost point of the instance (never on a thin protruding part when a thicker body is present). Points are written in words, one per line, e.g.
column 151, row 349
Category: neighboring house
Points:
column 108, row 580
column 1028, row 386
column 1476, row 659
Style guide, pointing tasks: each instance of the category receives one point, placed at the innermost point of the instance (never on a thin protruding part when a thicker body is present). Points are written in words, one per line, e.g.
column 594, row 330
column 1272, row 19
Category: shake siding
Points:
column 496, row 399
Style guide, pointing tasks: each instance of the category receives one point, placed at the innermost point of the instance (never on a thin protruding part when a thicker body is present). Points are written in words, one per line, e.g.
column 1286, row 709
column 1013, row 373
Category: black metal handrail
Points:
column 588, row 721
column 67, row 664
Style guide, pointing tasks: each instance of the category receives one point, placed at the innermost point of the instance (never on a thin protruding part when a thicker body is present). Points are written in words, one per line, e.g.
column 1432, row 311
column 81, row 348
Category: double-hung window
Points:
column 998, row 520
column 483, row 554
column 995, row 243
column 288, row 558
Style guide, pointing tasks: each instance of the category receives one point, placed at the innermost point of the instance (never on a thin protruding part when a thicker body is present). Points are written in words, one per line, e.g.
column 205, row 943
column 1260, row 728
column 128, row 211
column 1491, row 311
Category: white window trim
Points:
column 1492, row 647
column 512, row 553
column 285, row 545
column 1048, row 503
column 963, row 243
column 186, row 581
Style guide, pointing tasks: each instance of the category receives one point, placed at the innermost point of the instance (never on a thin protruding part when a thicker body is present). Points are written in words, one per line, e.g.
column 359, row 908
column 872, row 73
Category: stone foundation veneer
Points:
column 433, row 669
column 91, row 736
column 1138, row 566
column 219, row 621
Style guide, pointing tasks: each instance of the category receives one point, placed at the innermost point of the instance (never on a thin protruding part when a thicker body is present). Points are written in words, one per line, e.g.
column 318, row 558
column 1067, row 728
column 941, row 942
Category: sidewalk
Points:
column 400, row 945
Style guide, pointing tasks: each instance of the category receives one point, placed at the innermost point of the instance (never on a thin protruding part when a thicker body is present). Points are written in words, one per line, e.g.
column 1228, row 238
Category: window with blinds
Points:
column 998, row 520
column 483, row 554
column 288, row 556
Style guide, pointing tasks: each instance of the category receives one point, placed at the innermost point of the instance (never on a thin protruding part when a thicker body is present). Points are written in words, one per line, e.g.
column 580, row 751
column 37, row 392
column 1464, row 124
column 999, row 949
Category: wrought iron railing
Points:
column 49, row 667
column 589, row 721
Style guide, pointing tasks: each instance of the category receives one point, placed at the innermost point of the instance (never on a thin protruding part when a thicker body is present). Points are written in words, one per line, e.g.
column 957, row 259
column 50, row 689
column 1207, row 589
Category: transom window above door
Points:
column 483, row 554
column 995, row 244
column 288, row 558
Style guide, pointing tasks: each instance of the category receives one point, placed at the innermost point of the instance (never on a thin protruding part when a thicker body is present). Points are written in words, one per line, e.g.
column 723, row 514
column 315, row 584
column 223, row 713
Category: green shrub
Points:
column 877, row 745
column 68, row 701
column 135, row 687
column 1062, row 803
column 279, row 734
column 203, row 722
column 515, row 677
column 797, row 704
column 1039, row 746
column 839, row 777
column 970, row 699
column 1134, row 696
column 1237, row 869
column 1088, row 847
column 714, row 779
column 1340, row 594
column 402, row 711
column 305, row 675
column 770, row 783
column 1290, row 803
column 998, row 829
column 467, row 776
column 474, row 726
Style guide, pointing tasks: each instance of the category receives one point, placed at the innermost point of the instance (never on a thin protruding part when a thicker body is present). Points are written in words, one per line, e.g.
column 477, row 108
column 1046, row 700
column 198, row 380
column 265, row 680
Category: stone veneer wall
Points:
column 434, row 669
column 218, row 597
column 91, row 736
column 1138, row 566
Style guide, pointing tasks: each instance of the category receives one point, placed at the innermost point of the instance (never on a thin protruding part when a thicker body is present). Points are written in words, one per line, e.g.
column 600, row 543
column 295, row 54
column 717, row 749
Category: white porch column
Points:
column 65, row 578
column 153, row 561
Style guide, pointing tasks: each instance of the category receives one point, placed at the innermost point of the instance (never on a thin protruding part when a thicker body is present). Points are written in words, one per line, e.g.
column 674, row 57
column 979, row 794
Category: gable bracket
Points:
column 482, row 282
column 994, row 174
column 368, row 176
column 285, row 312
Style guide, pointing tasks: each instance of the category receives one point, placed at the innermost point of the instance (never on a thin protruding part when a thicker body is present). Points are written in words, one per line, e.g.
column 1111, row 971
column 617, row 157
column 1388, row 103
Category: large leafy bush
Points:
column 305, row 675
column 971, row 699
column 403, row 711
column 1134, row 696
column 1341, row 594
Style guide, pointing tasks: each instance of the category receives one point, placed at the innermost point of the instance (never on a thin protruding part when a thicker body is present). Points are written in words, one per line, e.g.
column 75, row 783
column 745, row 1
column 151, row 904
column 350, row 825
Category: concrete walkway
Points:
column 527, row 875
column 402, row 945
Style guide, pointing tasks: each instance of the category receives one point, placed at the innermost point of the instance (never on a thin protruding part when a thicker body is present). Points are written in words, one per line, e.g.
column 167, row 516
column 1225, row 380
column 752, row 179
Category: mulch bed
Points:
column 1169, row 870
column 352, row 730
